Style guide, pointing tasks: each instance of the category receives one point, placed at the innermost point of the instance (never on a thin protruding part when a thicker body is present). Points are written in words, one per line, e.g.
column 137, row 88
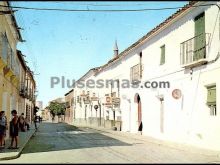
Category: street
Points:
column 62, row 143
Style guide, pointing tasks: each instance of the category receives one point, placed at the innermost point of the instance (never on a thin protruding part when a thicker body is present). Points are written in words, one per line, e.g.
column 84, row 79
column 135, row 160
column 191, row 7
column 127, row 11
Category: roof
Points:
column 153, row 31
column 23, row 63
column 14, row 22
column 93, row 69
column 21, row 59
column 69, row 92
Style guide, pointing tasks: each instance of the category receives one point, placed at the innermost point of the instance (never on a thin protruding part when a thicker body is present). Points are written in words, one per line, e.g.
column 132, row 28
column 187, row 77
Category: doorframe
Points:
column 137, row 100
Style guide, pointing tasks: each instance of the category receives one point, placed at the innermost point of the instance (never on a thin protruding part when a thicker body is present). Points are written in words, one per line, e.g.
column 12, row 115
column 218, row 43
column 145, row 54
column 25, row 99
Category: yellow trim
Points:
column 15, row 80
column 8, row 72
column 2, row 63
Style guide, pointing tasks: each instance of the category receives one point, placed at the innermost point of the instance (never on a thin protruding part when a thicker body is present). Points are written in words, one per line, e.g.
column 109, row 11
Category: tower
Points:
column 115, row 49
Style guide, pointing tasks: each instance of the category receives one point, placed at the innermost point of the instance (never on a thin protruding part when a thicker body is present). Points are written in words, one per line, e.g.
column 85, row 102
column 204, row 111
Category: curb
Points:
column 18, row 153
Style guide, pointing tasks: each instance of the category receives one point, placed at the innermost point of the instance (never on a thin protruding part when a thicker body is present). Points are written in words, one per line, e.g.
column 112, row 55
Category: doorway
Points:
column 137, row 100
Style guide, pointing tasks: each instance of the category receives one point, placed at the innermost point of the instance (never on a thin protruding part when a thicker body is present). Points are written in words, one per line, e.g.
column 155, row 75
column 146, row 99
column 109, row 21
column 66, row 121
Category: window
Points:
column 77, row 99
column 140, row 64
column 162, row 57
column 135, row 73
column 113, row 94
column 213, row 110
column 211, row 100
column 4, row 47
column 118, row 85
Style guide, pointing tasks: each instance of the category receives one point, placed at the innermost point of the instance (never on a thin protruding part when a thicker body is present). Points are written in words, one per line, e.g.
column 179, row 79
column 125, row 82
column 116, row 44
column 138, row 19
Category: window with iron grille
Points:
column 135, row 73
column 195, row 49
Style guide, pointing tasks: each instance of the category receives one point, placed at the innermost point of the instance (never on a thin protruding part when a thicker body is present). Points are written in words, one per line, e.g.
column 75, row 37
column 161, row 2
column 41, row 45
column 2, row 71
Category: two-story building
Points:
column 176, row 66
column 9, row 63
column 13, row 68
column 86, row 106
column 184, row 51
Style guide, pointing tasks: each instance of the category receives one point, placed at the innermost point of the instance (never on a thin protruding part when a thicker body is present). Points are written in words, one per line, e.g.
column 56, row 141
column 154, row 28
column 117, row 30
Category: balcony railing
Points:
column 194, row 50
column 23, row 90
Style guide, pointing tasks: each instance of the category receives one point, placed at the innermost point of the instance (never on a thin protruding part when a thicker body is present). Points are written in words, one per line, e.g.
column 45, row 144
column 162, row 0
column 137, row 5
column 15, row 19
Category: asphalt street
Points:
column 62, row 143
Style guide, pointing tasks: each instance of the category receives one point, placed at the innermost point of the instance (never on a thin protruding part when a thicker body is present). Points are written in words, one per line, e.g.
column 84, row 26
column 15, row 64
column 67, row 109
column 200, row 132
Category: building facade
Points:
column 176, row 66
column 30, row 101
column 9, row 70
column 69, row 102
column 13, row 69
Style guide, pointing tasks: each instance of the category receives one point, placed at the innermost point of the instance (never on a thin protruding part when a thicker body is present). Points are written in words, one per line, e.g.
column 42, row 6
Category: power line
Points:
column 101, row 10
column 91, row 4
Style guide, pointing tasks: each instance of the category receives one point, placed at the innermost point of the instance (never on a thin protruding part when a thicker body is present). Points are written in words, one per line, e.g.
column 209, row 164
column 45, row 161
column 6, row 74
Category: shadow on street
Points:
column 61, row 136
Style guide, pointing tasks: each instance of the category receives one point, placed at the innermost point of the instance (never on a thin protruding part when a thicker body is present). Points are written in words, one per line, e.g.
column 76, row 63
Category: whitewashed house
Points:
column 181, row 53
column 86, row 99
column 183, row 50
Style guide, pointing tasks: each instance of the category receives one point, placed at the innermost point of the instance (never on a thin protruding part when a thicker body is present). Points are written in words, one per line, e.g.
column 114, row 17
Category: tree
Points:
column 57, row 108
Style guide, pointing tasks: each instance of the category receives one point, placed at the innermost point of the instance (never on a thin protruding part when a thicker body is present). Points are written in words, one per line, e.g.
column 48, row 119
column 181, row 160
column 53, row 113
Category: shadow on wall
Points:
column 60, row 136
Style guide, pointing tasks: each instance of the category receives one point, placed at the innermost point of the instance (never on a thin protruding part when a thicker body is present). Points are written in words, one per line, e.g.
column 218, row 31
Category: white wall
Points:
column 186, row 120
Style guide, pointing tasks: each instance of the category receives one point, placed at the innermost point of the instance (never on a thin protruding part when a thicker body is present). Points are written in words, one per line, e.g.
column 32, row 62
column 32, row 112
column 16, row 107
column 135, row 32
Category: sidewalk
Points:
column 147, row 139
column 24, row 137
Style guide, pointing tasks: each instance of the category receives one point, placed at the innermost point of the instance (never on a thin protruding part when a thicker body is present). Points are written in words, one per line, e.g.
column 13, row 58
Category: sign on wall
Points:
column 177, row 94
column 116, row 100
column 94, row 98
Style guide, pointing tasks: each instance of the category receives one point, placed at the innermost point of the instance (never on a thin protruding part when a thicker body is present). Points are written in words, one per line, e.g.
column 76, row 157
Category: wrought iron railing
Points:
column 194, row 49
column 23, row 90
column 136, row 72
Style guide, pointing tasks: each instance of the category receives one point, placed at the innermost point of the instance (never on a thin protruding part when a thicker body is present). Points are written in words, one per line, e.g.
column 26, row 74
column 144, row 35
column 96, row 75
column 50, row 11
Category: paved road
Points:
column 61, row 143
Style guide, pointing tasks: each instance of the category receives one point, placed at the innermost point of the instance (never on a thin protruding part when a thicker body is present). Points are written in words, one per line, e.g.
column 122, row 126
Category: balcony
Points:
column 136, row 73
column 193, row 52
column 30, row 95
column 23, row 91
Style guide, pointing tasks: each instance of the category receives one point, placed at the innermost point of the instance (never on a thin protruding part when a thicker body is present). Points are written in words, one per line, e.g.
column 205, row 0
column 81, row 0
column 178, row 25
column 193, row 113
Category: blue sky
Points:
column 70, row 43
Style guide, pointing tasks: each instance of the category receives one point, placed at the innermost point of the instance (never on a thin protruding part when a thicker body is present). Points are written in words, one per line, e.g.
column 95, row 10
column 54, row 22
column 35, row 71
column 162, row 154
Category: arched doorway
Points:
column 137, row 100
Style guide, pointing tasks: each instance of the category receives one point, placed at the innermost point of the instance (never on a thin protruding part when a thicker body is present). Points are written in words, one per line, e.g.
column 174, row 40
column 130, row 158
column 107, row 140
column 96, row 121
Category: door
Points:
column 139, row 111
column 199, row 42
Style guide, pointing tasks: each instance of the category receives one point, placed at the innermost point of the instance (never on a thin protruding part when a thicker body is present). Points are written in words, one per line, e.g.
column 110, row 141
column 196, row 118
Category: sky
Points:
column 70, row 43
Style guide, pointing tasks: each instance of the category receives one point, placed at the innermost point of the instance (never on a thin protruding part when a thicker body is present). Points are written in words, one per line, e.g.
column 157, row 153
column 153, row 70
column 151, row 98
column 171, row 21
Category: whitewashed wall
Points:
column 186, row 120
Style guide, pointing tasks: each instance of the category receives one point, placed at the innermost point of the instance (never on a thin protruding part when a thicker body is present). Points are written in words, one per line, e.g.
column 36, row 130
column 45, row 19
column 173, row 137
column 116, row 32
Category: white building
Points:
column 183, row 51
column 86, row 101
